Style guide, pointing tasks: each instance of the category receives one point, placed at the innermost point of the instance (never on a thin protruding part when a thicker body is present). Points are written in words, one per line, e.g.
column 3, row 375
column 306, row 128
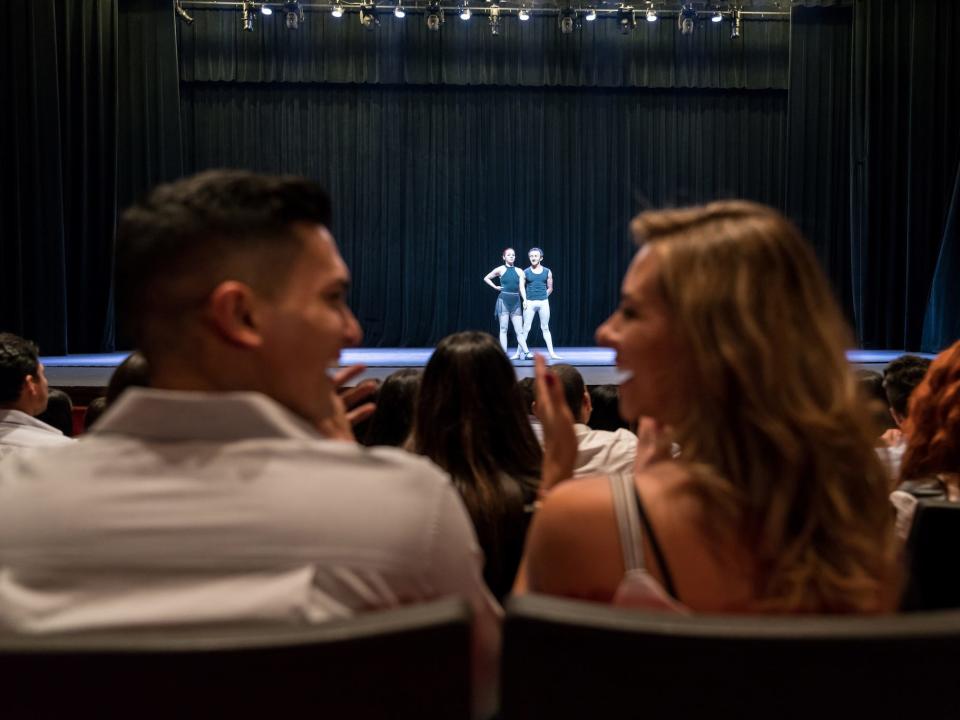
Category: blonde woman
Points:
column 734, row 348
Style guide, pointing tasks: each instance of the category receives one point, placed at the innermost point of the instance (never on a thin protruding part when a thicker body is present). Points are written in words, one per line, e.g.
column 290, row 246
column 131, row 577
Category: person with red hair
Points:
column 932, row 458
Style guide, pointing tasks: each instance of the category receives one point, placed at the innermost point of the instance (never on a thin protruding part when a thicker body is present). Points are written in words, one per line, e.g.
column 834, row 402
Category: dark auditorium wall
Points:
column 441, row 148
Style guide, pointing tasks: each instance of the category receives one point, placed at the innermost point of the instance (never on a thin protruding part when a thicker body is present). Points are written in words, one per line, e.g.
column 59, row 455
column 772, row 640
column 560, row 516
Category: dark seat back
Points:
column 405, row 663
column 933, row 573
column 569, row 659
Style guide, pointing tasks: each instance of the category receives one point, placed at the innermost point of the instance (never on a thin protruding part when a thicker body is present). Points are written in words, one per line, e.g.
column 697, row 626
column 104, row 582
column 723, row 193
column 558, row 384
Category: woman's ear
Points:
column 232, row 309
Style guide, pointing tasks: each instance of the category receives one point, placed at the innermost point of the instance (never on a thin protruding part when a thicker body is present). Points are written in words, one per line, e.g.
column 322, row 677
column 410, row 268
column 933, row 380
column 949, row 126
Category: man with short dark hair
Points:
column 23, row 396
column 598, row 451
column 220, row 493
column 900, row 378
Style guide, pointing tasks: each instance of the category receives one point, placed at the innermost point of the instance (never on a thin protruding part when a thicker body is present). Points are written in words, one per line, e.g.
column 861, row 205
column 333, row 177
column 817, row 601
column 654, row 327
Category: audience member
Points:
column 931, row 460
column 598, row 451
column 900, row 378
column 23, row 395
column 606, row 412
column 470, row 421
column 59, row 412
column 95, row 409
column 527, row 393
column 871, row 384
column 210, row 497
column 392, row 421
column 132, row 372
column 778, row 502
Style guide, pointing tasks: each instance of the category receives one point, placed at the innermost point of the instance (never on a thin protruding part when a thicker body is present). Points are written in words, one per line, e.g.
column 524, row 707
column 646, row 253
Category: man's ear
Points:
column 232, row 309
column 586, row 410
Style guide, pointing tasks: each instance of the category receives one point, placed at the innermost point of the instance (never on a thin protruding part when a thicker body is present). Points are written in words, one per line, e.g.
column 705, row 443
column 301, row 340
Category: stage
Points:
column 595, row 364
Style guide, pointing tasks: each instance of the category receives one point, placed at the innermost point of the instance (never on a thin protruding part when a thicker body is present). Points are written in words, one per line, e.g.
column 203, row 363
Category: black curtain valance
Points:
column 532, row 54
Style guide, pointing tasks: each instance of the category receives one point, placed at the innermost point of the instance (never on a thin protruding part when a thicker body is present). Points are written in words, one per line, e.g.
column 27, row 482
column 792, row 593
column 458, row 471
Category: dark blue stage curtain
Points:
column 906, row 156
column 441, row 149
column 58, row 158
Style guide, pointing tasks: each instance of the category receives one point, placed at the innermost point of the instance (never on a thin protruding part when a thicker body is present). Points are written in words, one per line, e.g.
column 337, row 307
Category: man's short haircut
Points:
column 573, row 387
column 537, row 249
column 186, row 237
column 18, row 358
column 900, row 378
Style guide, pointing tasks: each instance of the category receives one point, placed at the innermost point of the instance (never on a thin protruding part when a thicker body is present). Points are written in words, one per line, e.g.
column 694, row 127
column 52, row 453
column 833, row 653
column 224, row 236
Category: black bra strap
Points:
column 655, row 546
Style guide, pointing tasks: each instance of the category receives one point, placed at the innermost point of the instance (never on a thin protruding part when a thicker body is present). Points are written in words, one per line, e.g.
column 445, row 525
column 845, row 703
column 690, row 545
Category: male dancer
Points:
column 536, row 288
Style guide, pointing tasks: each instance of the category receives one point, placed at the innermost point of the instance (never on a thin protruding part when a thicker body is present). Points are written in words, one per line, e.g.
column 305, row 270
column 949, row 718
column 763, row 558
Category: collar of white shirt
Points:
column 18, row 417
column 172, row 415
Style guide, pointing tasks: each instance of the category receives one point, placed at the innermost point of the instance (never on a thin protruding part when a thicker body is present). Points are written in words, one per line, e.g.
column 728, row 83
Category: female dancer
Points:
column 508, row 307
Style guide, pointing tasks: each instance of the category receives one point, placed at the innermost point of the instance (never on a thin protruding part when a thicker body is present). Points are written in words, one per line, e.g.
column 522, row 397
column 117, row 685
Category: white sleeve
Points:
column 456, row 568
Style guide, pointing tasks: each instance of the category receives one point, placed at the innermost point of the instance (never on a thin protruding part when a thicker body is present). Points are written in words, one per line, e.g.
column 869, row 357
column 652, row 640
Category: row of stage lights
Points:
column 568, row 18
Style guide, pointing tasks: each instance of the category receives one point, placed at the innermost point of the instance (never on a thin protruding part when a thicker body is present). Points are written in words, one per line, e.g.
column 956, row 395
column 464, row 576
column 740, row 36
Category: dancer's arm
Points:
column 549, row 282
column 523, row 289
column 495, row 273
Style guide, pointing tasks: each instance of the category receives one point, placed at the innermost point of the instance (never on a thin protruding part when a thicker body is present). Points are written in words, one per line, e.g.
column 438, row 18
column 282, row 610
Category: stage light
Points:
column 567, row 20
column 686, row 19
column 399, row 12
column 591, row 15
column 368, row 17
column 717, row 17
column 523, row 14
column 465, row 12
column 651, row 13
column 434, row 17
column 735, row 30
column 626, row 19
column 246, row 17
column 184, row 15
column 337, row 11
column 294, row 14
column 494, row 19
column 265, row 9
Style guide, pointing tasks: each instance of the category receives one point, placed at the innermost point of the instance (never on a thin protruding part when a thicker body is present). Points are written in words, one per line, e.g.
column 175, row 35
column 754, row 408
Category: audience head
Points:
column 59, row 412
column 900, row 378
column 393, row 419
column 933, row 423
column 23, row 384
column 734, row 340
column 471, row 421
column 871, row 385
column 528, row 392
column 229, row 280
column 95, row 409
column 132, row 372
column 574, row 391
column 604, row 399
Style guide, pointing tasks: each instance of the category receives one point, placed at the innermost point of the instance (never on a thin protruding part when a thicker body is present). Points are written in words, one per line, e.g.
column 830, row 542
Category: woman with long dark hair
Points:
column 470, row 420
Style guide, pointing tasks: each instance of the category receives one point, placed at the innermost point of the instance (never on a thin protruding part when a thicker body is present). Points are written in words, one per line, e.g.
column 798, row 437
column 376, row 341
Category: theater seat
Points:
column 569, row 659
column 932, row 551
column 406, row 663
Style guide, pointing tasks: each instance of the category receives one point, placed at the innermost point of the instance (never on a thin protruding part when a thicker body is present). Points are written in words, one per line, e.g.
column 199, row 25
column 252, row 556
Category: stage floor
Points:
column 595, row 364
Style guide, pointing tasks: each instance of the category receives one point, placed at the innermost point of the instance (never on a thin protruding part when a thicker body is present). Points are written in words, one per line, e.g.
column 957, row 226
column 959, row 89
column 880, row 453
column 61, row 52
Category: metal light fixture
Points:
column 686, row 18
column 183, row 14
column 717, row 17
column 591, row 15
column 368, row 16
column 294, row 14
column 523, row 14
column 246, row 17
column 567, row 20
column 337, row 11
column 735, row 30
column 493, row 17
column 266, row 9
column 626, row 19
column 651, row 13
column 399, row 12
column 465, row 12
column 434, row 16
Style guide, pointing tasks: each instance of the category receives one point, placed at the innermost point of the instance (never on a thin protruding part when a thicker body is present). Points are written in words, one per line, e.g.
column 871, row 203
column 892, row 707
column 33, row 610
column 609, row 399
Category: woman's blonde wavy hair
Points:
column 778, row 436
